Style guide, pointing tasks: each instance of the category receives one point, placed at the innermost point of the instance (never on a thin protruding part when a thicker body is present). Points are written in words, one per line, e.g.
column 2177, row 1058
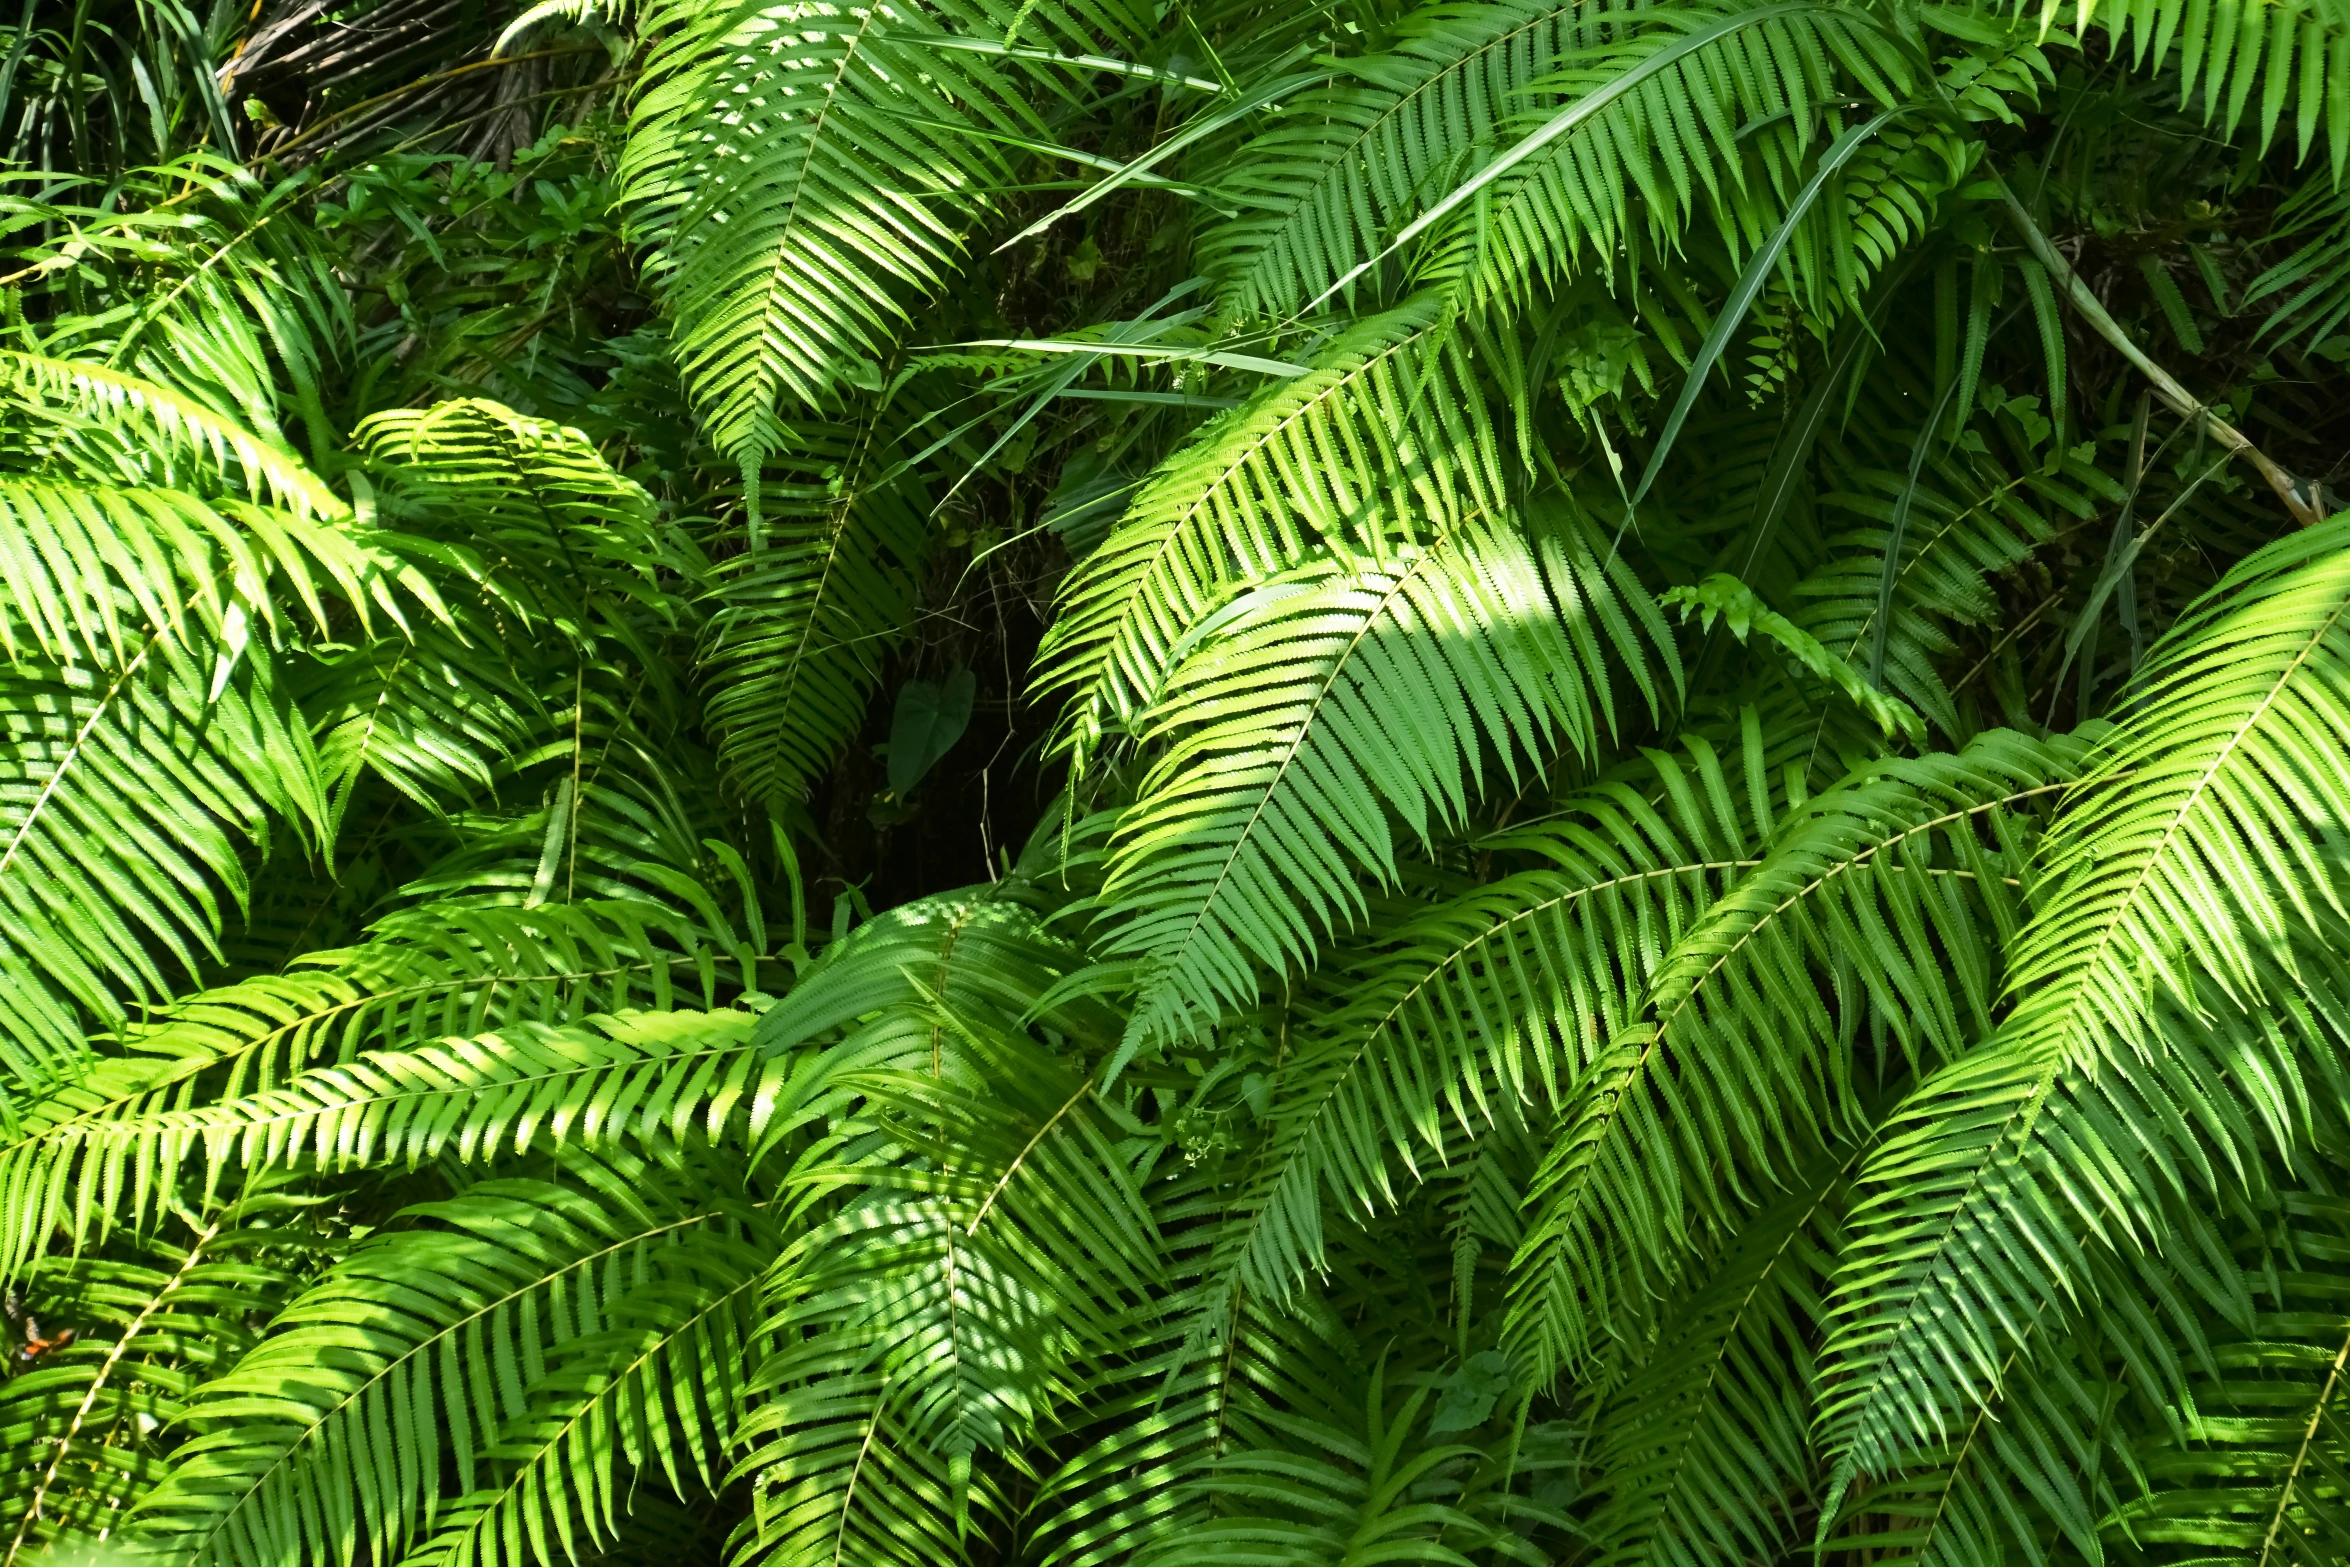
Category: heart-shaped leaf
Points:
column 930, row 719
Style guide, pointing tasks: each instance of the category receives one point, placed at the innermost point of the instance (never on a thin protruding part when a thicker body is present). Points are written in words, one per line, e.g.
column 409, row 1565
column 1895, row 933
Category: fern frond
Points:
column 1377, row 1490
column 1339, row 168
column 1958, row 532
column 1348, row 691
column 648, row 1078
column 95, row 1152
column 1885, row 886
column 457, row 1345
column 806, row 174
column 1000, row 1232
column 2183, row 942
column 2295, row 54
column 176, row 422
column 560, row 536
column 1494, row 1001
column 2247, row 1466
column 1646, row 127
column 1390, row 410
column 968, row 955
column 2309, row 289
column 1706, row 1442
column 803, row 619
column 92, row 1418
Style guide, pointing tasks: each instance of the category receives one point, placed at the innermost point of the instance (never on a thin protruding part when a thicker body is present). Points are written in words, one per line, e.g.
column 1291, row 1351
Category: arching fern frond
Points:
column 1340, row 167
column 175, row 422
column 1494, row 1002
column 934, row 1317
column 2183, row 942
column 1386, row 438
column 559, row 535
column 146, row 748
column 86, row 1156
column 1890, row 887
column 92, row 1419
column 474, row 1344
column 2296, row 54
column 1346, row 692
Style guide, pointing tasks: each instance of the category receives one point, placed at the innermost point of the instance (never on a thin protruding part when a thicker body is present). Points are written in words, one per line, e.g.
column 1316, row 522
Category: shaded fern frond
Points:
column 2295, row 54
column 464, row 1344
column 803, row 619
column 807, row 173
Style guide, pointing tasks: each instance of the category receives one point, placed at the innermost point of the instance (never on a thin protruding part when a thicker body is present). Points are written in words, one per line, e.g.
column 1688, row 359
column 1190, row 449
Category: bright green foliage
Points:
column 1034, row 783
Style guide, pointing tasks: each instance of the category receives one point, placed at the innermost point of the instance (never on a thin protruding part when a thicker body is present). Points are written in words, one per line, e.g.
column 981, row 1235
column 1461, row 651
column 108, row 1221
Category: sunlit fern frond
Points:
column 175, row 426
column 1340, row 167
column 1893, row 889
column 1666, row 119
column 645, row 1080
column 83, row 1158
column 92, row 1419
column 1402, row 683
column 2184, row 940
column 1386, row 437
column 147, row 747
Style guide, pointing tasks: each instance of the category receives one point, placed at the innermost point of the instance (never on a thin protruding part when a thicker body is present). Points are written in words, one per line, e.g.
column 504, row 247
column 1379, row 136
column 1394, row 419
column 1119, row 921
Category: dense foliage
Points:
column 1061, row 782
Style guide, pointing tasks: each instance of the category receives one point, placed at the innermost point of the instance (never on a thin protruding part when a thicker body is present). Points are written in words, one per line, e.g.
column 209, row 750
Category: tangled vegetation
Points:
column 1071, row 783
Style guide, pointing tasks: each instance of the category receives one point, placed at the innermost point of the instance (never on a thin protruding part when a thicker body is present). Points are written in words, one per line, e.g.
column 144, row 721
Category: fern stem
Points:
column 2303, row 505
column 2317, row 1416
column 114, row 1355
